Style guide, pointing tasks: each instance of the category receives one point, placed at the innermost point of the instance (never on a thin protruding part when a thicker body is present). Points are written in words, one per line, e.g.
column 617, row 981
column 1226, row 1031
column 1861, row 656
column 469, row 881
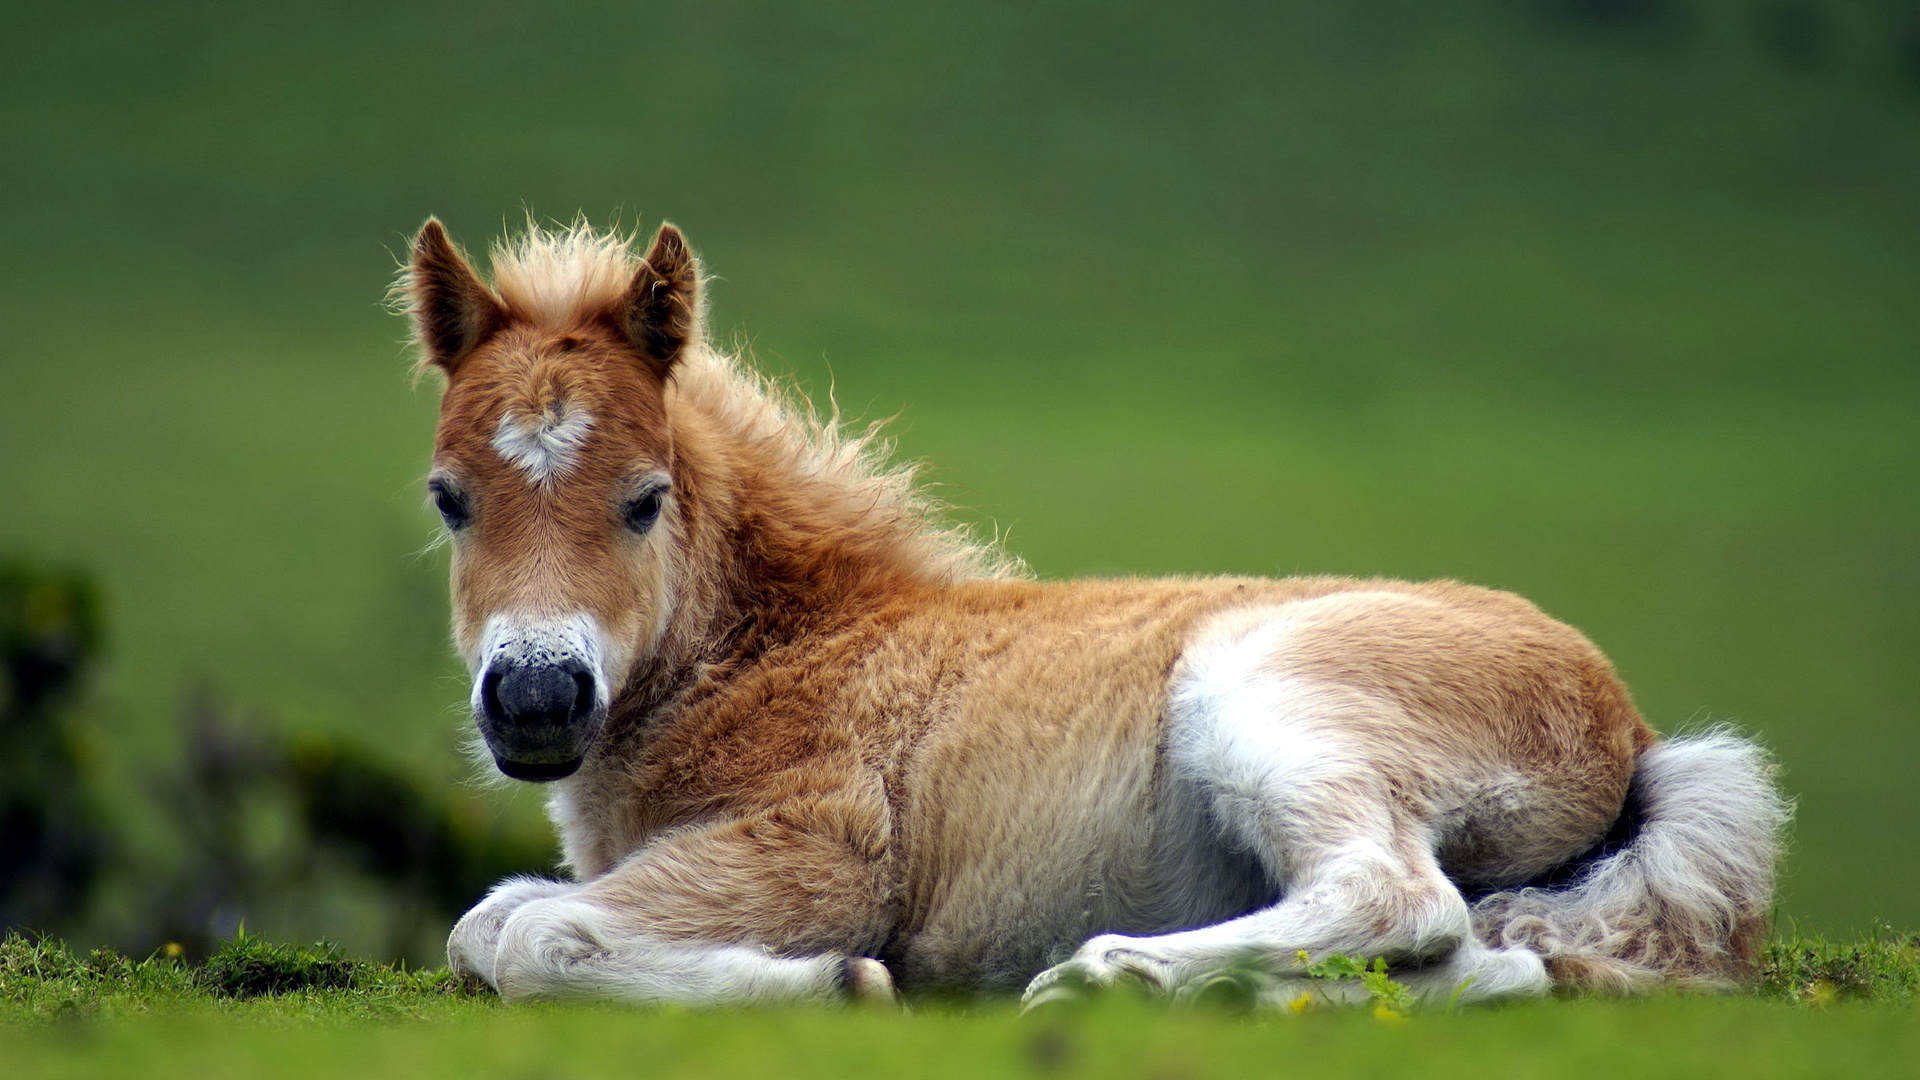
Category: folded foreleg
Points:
column 761, row 910
column 475, row 941
column 578, row 947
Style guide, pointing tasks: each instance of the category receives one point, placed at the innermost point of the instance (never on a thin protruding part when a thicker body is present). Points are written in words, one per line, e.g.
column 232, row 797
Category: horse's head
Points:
column 553, row 469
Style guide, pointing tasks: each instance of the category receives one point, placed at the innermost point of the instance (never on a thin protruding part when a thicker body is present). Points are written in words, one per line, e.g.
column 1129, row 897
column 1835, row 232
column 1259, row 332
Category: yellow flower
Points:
column 173, row 950
column 1381, row 1012
column 1301, row 1004
column 1822, row 993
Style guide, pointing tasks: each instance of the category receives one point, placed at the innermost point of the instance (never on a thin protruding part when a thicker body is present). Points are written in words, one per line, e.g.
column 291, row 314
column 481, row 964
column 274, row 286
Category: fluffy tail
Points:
column 1683, row 899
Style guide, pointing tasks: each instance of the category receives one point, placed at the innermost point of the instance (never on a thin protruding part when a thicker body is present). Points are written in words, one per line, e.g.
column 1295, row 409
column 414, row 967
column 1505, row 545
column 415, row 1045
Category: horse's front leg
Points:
column 748, row 911
column 475, row 940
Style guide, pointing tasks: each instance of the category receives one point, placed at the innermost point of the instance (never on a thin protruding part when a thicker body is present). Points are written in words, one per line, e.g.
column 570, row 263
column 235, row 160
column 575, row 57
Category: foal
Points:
column 803, row 741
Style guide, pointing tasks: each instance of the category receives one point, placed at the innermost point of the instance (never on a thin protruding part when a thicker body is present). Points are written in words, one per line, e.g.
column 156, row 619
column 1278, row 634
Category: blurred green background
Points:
column 1615, row 303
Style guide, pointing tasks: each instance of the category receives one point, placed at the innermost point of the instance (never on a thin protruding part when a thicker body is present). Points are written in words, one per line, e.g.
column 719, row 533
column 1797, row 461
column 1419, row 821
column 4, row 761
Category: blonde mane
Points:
column 560, row 276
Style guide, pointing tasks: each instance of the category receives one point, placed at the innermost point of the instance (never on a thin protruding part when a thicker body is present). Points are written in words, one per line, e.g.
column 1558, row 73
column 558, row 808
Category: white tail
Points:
column 1686, row 900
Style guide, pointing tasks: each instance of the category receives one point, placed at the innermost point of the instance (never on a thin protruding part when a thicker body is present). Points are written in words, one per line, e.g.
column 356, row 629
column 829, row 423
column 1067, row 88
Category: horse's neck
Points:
column 775, row 563
column 787, row 579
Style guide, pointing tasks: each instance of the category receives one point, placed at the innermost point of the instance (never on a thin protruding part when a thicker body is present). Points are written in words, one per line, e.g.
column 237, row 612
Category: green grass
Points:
column 102, row 1014
column 45, row 982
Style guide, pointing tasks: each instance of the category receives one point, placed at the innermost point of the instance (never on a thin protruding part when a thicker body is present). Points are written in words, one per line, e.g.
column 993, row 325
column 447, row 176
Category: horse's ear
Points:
column 660, row 314
column 453, row 312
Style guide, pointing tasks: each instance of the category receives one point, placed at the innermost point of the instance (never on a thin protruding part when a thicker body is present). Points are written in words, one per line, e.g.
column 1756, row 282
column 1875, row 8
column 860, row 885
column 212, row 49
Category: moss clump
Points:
column 248, row 967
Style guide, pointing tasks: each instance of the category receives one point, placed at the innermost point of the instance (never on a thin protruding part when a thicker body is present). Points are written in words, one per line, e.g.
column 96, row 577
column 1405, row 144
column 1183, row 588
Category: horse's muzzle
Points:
column 538, row 717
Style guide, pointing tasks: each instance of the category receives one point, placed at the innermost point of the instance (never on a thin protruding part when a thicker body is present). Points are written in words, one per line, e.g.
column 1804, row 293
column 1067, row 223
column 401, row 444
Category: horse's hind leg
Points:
column 1352, row 886
column 1472, row 972
column 1276, row 763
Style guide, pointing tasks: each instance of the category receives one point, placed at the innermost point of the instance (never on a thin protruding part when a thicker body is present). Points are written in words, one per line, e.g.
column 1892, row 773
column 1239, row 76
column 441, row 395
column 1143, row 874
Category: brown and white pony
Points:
column 803, row 741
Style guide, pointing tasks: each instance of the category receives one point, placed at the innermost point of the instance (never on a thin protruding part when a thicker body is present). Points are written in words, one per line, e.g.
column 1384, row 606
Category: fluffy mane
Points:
column 557, row 277
column 560, row 276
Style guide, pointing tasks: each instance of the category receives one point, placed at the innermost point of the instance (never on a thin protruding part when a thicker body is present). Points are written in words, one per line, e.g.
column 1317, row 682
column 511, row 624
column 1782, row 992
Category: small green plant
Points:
column 1390, row 1000
column 1884, row 966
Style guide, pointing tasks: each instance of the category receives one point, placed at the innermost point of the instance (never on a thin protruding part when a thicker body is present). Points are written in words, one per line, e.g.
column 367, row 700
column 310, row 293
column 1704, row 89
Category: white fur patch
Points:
column 1253, row 741
column 547, row 445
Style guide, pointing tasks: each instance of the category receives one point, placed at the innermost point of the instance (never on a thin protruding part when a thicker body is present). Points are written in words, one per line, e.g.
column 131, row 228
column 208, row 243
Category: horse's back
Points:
column 1040, row 806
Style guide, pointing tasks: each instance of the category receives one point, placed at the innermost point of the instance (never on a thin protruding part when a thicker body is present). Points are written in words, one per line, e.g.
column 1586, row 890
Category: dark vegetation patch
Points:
column 248, row 967
column 335, row 810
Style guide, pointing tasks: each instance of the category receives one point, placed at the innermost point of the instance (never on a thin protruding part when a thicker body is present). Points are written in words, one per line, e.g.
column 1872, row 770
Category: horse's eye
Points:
column 643, row 510
column 451, row 504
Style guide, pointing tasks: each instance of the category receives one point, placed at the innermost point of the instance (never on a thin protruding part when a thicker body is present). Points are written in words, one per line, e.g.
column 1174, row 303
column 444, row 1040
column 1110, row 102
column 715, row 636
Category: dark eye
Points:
column 643, row 510
column 451, row 504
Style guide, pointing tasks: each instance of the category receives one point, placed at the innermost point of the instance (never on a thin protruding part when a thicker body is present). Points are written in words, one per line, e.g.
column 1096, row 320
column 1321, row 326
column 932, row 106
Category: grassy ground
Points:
column 1824, row 1009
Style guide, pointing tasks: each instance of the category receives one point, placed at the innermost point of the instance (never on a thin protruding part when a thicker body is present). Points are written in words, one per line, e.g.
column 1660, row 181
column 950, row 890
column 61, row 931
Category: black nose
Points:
column 536, row 695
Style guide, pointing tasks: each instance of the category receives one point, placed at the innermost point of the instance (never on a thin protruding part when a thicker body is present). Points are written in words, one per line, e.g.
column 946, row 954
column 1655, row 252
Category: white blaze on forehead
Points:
column 546, row 444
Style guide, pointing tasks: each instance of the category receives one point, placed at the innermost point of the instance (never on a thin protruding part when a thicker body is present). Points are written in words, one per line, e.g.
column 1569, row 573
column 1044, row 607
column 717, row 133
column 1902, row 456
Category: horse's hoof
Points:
column 1046, row 999
column 868, row 981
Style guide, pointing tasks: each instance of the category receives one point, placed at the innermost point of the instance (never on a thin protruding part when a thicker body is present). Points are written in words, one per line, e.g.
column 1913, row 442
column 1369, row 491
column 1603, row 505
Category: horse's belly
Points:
column 1006, row 919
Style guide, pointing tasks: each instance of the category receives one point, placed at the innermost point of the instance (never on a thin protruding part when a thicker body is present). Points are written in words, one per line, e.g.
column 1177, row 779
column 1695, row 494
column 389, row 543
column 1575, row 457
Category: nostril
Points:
column 583, row 696
column 490, row 693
